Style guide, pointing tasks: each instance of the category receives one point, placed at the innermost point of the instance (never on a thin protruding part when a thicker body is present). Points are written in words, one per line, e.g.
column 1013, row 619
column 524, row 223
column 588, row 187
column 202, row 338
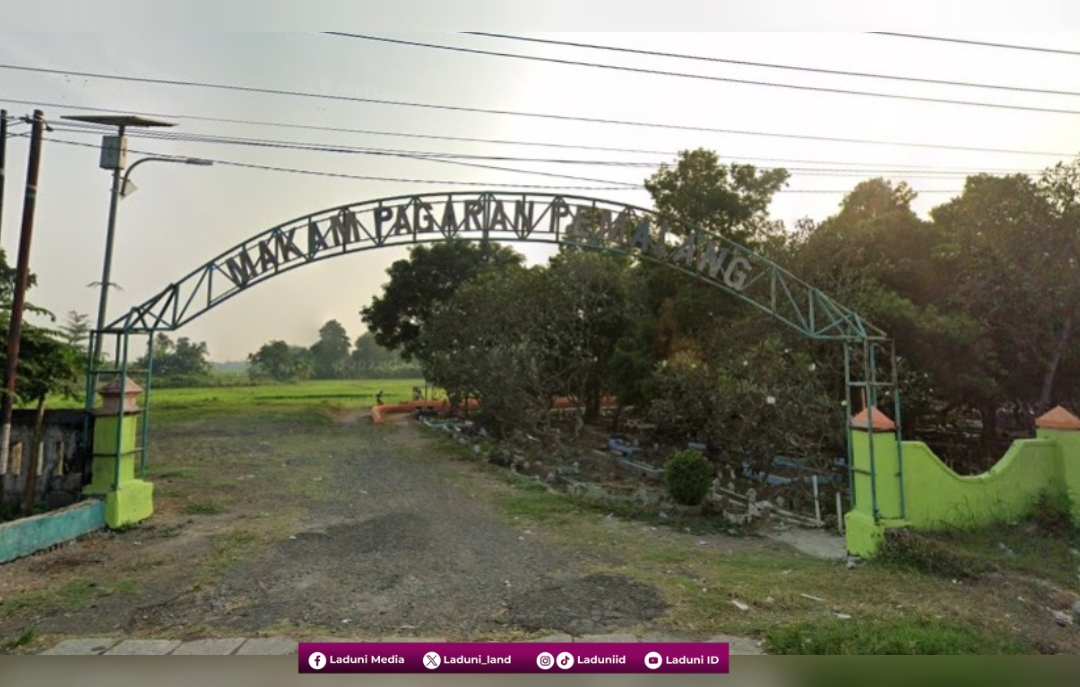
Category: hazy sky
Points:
column 182, row 216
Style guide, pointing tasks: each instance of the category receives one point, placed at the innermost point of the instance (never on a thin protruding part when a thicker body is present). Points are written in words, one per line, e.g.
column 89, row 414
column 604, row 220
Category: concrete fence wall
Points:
column 65, row 462
column 903, row 484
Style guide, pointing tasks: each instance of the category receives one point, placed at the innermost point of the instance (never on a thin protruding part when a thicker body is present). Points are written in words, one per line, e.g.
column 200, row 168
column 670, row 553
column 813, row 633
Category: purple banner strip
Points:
column 512, row 657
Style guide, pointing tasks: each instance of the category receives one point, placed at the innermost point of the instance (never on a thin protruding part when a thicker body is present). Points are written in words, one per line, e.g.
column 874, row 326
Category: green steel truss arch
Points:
column 543, row 218
column 502, row 217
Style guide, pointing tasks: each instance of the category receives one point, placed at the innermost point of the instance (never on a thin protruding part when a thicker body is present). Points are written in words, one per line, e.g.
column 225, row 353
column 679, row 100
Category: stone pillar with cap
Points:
column 876, row 482
column 1063, row 428
column 128, row 499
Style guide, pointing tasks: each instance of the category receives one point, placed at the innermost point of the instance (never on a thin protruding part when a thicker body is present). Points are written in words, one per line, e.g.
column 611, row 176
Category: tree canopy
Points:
column 419, row 284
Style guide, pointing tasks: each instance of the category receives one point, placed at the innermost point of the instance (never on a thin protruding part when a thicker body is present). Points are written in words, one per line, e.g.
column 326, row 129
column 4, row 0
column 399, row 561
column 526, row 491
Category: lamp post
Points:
column 114, row 157
column 122, row 189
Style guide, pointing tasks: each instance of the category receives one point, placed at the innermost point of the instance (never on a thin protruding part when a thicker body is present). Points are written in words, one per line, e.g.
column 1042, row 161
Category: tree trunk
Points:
column 988, row 415
column 34, row 455
column 592, row 400
column 1052, row 367
column 616, row 418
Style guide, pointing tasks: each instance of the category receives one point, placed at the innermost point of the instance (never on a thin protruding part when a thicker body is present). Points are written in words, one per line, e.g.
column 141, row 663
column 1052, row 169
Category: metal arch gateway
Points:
column 512, row 217
column 502, row 217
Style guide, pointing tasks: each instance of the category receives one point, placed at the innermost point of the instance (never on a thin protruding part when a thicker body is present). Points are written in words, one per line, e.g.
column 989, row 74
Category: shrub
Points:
column 688, row 476
column 1052, row 513
column 905, row 548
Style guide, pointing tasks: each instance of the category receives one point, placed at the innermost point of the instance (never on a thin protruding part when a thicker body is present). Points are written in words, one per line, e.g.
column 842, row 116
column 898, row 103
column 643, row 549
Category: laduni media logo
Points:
column 514, row 657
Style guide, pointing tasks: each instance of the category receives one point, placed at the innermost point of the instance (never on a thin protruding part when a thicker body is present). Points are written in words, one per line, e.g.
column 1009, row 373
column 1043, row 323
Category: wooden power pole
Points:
column 22, row 274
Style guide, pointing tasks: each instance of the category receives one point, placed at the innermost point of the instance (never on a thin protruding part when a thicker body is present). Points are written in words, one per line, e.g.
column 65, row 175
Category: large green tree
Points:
column 429, row 276
column 279, row 361
column 729, row 200
column 331, row 352
column 47, row 365
column 183, row 361
column 673, row 311
column 1014, row 270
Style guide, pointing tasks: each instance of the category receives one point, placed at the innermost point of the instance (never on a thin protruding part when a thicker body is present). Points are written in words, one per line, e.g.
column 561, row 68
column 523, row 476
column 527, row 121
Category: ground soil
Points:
column 334, row 528
column 324, row 525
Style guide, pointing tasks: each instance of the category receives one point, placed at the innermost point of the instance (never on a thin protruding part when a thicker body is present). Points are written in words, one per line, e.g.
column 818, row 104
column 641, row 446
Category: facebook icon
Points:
column 317, row 661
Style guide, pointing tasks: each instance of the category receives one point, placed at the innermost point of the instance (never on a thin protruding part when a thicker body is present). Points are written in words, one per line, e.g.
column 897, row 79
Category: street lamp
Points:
column 126, row 185
column 114, row 157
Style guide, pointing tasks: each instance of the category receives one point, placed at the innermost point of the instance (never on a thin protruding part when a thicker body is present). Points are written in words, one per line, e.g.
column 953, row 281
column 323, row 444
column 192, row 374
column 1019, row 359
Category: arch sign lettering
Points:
column 502, row 217
column 557, row 220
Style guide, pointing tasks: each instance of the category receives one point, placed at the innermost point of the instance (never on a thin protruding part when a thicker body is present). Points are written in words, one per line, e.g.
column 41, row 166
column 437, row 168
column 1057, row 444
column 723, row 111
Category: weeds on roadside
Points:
column 899, row 637
column 24, row 639
column 202, row 508
column 905, row 548
column 1052, row 514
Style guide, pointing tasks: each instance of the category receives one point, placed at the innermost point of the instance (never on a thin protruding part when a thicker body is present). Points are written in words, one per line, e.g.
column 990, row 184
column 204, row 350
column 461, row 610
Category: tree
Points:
column 731, row 201
column 45, row 365
column 673, row 311
column 281, row 362
column 76, row 330
column 331, row 352
column 590, row 315
column 1014, row 263
column 369, row 359
column 878, row 258
column 419, row 284
column 183, row 361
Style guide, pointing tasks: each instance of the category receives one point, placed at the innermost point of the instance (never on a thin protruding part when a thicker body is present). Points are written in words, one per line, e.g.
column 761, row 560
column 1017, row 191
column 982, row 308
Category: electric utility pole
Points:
column 22, row 274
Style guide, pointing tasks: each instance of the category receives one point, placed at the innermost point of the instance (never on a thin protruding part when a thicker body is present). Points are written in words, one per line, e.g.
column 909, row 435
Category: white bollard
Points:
column 817, row 503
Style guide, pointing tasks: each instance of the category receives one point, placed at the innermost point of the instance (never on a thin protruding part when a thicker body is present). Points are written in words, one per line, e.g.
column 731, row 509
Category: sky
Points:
column 182, row 216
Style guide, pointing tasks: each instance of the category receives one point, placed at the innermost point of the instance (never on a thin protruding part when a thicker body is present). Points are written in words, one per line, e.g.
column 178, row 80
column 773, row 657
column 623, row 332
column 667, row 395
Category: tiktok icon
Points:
column 317, row 661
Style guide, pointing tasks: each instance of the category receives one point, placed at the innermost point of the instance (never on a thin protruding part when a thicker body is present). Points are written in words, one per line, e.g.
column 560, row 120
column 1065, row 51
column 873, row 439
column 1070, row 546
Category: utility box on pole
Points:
column 113, row 152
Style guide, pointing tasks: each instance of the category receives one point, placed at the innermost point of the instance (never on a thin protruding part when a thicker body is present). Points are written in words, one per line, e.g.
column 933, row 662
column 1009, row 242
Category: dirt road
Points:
column 272, row 524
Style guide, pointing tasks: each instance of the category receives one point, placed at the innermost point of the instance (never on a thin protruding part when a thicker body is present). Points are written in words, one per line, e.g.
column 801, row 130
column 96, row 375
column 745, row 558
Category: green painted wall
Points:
column 1070, row 462
column 28, row 535
column 935, row 497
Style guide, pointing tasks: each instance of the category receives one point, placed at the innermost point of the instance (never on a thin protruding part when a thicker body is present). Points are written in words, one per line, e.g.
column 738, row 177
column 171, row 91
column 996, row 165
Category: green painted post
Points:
column 146, row 407
column 1063, row 428
column 869, row 403
column 899, row 430
column 128, row 499
column 847, row 423
column 121, row 345
column 873, row 438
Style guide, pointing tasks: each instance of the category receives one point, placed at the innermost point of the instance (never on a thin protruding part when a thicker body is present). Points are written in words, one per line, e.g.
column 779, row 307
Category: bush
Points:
column 688, row 476
column 1052, row 513
column 905, row 548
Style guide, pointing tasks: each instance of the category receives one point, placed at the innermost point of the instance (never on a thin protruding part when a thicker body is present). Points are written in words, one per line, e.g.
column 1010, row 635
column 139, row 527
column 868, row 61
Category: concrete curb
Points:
column 283, row 646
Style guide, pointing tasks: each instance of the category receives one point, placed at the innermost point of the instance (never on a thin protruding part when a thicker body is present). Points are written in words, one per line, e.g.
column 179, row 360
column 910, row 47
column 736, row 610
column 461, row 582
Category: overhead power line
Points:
column 403, row 154
column 860, row 168
column 704, row 77
column 292, row 170
column 568, row 118
column 766, row 65
column 982, row 44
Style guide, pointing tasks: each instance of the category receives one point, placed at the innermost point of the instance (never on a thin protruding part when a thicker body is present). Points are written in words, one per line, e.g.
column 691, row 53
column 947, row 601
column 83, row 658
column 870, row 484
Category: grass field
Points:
column 341, row 393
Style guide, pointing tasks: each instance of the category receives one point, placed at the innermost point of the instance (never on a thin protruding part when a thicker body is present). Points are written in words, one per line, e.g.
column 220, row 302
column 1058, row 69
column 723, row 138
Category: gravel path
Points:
column 389, row 546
